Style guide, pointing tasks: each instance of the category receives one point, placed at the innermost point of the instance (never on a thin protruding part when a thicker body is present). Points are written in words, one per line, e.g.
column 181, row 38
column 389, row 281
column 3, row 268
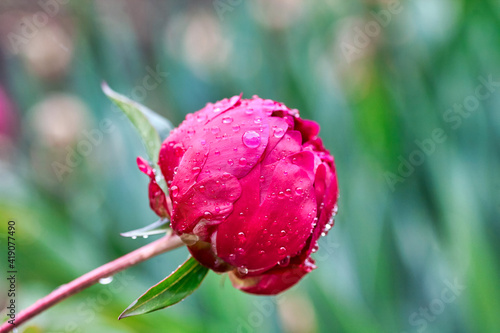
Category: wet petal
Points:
column 273, row 281
column 211, row 199
column 280, row 226
column 235, row 146
column 157, row 198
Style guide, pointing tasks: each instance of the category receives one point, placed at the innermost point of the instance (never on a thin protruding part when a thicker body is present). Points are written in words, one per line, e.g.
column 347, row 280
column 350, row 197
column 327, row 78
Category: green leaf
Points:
column 173, row 289
column 158, row 227
column 152, row 127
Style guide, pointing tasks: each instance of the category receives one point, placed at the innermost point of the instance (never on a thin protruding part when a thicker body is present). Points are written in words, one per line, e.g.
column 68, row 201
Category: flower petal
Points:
column 236, row 142
column 211, row 199
column 273, row 281
column 280, row 226
column 157, row 198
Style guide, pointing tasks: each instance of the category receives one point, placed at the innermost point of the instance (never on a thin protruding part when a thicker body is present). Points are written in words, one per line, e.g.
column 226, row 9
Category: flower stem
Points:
column 164, row 244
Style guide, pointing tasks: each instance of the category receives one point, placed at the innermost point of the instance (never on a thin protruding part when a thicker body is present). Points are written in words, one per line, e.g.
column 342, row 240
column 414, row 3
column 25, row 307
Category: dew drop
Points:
column 215, row 130
column 240, row 250
column 299, row 191
column 261, row 179
column 283, row 233
column 315, row 248
column 190, row 131
column 226, row 175
column 262, row 252
column 249, row 111
column 196, row 169
column 217, row 209
column 251, row 139
column 202, row 188
column 282, row 250
column 278, row 132
column 189, row 239
column 284, row 262
column 216, row 110
column 241, row 236
column 134, row 237
column 174, row 190
column 243, row 161
column 227, row 120
column 145, row 236
column 257, row 120
column 288, row 192
column 230, row 162
column 236, row 128
column 243, row 270
column 106, row 280
column 281, row 195
column 201, row 117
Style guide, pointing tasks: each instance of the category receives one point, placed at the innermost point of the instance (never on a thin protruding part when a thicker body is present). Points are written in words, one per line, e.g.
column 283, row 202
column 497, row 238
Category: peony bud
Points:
column 251, row 191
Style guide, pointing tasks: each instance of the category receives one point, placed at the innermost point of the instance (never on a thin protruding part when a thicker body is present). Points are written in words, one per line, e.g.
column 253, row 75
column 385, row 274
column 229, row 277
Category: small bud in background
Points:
column 8, row 125
column 297, row 314
column 56, row 126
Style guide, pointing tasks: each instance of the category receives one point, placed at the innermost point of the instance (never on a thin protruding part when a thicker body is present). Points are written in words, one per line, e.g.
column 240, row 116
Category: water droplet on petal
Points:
column 217, row 152
column 240, row 250
column 230, row 162
column 216, row 110
column 196, row 169
column 202, row 188
column 299, row 191
column 284, row 262
column 278, row 132
column 241, row 236
column 190, row 131
column 261, row 179
column 283, row 233
column 249, row 111
column 251, row 139
column 189, row 239
column 201, row 117
column 215, row 130
column 243, row 161
column 281, row 195
column 134, row 237
column 257, row 120
column 315, row 248
column 243, row 270
column 106, row 280
column 217, row 209
column 227, row 120
column 282, row 250
column 174, row 190
column 288, row 192
column 262, row 252
column 145, row 236
column 236, row 128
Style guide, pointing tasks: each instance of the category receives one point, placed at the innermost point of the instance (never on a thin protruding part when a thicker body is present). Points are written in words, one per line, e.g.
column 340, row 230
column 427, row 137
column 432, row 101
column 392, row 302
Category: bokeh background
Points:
column 408, row 97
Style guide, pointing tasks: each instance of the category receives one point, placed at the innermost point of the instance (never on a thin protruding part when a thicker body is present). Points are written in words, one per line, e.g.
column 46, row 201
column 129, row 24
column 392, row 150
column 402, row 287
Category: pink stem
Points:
column 164, row 244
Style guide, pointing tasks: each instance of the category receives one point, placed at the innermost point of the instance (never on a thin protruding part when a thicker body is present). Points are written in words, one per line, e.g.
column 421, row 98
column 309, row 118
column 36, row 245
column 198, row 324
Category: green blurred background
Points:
column 407, row 95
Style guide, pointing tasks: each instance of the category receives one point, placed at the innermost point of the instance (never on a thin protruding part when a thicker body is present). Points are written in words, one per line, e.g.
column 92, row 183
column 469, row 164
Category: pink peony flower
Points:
column 252, row 189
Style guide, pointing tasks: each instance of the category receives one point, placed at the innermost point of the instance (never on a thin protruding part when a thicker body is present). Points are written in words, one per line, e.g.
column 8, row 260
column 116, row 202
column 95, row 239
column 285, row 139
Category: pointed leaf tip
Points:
column 173, row 289
column 152, row 127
